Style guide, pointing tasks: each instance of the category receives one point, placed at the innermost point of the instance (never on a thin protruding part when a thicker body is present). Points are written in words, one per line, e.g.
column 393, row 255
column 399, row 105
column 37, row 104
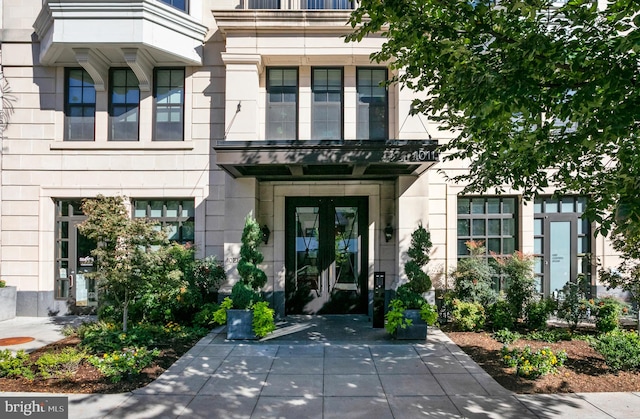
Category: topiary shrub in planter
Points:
column 249, row 317
column 409, row 313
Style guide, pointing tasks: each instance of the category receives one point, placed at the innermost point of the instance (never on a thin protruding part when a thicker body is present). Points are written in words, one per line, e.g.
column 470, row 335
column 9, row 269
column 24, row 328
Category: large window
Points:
column 372, row 104
column 282, row 104
column 169, row 104
column 491, row 220
column 562, row 242
column 80, row 105
column 178, row 4
column 175, row 215
column 124, row 103
column 326, row 109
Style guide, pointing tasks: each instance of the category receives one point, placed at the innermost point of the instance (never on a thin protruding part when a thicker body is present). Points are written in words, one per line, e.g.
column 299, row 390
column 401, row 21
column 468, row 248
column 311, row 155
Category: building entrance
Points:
column 326, row 255
column 74, row 260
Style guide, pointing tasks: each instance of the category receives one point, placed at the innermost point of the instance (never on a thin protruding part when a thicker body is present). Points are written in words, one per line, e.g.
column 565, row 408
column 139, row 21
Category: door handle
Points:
column 70, row 281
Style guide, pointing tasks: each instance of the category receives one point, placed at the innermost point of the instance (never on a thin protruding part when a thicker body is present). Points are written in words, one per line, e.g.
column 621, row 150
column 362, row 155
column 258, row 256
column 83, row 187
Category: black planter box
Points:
column 240, row 324
column 416, row 331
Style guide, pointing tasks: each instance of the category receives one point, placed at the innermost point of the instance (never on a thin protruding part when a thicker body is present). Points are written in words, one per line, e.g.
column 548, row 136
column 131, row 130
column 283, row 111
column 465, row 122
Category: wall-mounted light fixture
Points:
column 265, row 234
column 388, row 232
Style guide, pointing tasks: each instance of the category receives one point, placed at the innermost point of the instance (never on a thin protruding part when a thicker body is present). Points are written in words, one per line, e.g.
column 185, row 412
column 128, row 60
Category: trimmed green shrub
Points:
column 506, row 336
column 263, row 322
column 607, row 311
column 467, row 316
column 18, row 365
column 499, row 315
column 520, row 281
column 125, row 362
column 473, row 277
column 620, row 349
column 536, row 313
column 59, row 364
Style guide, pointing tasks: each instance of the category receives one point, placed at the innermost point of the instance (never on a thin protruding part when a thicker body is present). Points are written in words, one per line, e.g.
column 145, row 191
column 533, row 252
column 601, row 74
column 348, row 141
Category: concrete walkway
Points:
column 317, row 368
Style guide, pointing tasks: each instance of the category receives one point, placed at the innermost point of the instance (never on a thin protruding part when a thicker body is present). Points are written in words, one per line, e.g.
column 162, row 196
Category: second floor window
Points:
column 80, row 105
column 326, row 110
column 124, row 103
column 169, row 104
column 178, row 4
column 372, row 104
column 282, row 104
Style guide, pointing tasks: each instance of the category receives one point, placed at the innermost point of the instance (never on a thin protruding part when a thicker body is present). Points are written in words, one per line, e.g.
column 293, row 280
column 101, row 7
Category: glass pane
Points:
column 493, row 245
column 537, row 226
column 551, row 206
column 188, row 208
column 508, row 245
column 463, row 228
column 493, row 206
column 493, row 227
column 583, row 244
column 560, row 251
column 567, row 204
column 172, row 231
column 477, row 206
column 156, row 209
column 583, row 226
column 462, row 248
column 508, row 205
column 537, row 206
column 581, row 204
column 64, row 249
column 537, row 265
column 140, row 209
column 172, row 209
column 508, row 227
column 478, row 227
column 64, row 229
column 537, row 245
column 464, row 206
column 188, row 231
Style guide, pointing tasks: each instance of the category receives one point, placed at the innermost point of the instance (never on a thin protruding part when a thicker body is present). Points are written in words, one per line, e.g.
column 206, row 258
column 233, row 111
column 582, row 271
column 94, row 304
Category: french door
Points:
column 326, row 254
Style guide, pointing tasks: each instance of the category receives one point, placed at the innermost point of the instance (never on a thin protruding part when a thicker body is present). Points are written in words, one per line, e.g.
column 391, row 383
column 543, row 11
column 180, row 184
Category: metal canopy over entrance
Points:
column 330, row 159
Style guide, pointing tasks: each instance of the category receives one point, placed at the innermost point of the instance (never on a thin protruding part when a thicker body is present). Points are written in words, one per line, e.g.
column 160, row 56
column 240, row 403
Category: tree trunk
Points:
column 125, row 311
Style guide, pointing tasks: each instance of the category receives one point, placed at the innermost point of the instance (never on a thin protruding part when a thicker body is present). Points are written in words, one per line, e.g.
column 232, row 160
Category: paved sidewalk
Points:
column 313, row 373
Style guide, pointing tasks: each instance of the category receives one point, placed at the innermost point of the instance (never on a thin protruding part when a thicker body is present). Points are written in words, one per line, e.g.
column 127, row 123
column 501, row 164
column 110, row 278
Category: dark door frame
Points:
column 326, row 233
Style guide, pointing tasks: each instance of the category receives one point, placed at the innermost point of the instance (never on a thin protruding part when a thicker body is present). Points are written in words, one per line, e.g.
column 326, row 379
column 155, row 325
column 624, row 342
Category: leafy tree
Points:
column 473, row 277
column 520, row 281
column 527, row 87
column 130, row 252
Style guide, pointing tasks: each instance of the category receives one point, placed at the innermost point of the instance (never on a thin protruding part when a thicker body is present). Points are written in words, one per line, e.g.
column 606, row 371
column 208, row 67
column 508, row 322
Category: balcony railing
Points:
column 300, row 4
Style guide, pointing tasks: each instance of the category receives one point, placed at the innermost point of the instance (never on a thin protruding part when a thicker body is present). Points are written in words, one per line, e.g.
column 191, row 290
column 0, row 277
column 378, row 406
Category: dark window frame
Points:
column 283, row 90
column 385, row 127
column 580, row 261
column 82, row 105
column 158, row 131
column 124, row 104
column 327, row 91
column 164, row 219
column 485, row 216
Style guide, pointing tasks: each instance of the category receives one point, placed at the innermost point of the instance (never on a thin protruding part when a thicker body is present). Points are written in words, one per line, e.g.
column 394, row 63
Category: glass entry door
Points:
column 326, row 255
column 74, row 260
